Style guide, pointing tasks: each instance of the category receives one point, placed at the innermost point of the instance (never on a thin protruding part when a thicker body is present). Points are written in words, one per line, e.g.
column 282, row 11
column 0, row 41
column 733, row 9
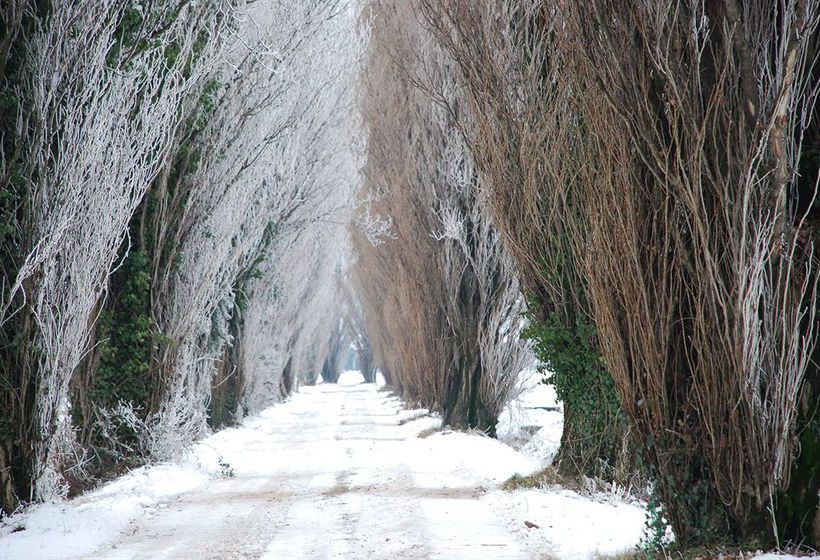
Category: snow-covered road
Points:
column 342, row 475
column 337, row 472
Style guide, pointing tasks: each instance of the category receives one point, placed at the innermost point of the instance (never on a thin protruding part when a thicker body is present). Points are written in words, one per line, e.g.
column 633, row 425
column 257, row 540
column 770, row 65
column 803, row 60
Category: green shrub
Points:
column 126, row 334
column 594, row 423
column 654, row 540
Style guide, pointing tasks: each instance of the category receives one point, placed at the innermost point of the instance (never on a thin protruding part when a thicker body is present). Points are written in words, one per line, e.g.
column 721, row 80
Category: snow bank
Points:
column 569, row 526
column 559, row 522
column 456, row 459
column 777, row 556
column 533, row 422
column 77, row 528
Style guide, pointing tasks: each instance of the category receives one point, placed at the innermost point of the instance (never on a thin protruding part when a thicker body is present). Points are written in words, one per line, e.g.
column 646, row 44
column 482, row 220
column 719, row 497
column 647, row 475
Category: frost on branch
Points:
column 172, row 154
column 97, row 120
column 277, row 162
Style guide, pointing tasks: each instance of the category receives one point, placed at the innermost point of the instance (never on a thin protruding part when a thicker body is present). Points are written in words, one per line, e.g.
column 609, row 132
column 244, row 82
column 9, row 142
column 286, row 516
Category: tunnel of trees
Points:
column 205, row 205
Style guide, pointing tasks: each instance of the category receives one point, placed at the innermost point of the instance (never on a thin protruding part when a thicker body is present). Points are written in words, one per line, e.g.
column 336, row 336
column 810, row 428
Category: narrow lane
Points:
column 339, row 472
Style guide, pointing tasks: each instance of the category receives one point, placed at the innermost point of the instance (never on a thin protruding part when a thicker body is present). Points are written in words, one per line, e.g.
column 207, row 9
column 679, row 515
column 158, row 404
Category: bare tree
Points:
column 643, row 161
column 357, row 329
column 437, row 284
column 702, row 276
column 518, row 121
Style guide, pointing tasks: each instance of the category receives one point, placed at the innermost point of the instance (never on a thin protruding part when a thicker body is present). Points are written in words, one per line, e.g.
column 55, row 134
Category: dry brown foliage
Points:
column 527, row 141
column 642, row 157
column 438, row 290
column 522, row 134
column 701, row 278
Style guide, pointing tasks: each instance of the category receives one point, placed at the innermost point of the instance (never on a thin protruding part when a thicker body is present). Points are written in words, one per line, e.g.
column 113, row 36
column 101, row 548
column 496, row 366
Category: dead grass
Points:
column 746, row 551
column 418, row 415
column 544, row 478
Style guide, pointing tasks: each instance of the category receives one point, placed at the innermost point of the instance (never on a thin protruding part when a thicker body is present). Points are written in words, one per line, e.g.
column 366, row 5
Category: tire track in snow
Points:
column 344, row 481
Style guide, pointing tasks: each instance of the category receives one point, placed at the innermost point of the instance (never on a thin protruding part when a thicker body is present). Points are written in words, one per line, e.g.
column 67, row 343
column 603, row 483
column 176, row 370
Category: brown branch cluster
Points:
column 527, row 140
column 641, row 160
column 438, row 289
column 703, row 289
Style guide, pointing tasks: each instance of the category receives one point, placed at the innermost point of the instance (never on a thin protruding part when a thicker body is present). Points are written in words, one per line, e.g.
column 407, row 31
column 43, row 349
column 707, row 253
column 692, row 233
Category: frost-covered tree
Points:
column 273, row 162
column 97, row 102
column 282, row 334
column 357, row 329
column 160, row 162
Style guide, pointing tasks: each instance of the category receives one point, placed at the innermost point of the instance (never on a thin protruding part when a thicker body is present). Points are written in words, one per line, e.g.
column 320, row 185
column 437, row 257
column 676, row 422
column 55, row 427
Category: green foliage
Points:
column 205, row 108
column 225, row 468
column 10, row 231
column 13, row 183
column 138, row 32
column 126, row 335
column 802, row 494
column 130, row 27
column 128, row 37
column 8, row 101
column 189, row 153
column 682, row 483
column 655, row 538
column 572, row 364
column 17, row 354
